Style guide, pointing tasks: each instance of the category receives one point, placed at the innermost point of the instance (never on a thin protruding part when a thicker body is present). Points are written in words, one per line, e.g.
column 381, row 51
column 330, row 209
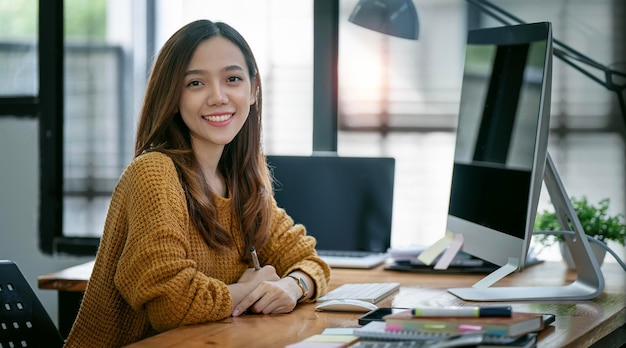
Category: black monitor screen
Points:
column 344, row 202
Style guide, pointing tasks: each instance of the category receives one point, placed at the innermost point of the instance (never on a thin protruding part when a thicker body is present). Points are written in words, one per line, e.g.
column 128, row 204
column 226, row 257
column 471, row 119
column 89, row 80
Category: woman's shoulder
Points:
column 148, row 163
column 149, row 172
column 153, row 159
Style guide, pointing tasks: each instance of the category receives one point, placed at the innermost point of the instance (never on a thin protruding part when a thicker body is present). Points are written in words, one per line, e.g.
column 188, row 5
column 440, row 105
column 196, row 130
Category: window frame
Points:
column 51, row 112
column 47, row 107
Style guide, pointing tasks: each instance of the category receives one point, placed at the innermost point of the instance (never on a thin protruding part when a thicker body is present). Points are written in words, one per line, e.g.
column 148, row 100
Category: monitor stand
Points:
column 589, row 283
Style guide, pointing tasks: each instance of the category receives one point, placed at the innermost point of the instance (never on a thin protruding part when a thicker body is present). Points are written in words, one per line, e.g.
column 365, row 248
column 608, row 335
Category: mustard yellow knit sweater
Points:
column 153, row 271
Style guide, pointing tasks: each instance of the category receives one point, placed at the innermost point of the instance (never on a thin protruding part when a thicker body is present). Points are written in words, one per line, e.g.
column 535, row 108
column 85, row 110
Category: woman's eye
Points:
column 234, row 79
column 193, row 83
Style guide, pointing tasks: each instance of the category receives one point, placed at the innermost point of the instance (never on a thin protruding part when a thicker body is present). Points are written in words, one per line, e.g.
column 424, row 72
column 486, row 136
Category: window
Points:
column 19, row 71
column 18, row 49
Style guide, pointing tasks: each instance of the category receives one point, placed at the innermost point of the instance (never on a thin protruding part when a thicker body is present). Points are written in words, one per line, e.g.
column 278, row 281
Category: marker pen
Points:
column 464, row 311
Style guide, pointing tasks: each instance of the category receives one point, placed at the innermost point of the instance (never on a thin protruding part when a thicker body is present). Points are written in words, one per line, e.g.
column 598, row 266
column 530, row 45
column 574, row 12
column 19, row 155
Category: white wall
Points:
column 19, row 197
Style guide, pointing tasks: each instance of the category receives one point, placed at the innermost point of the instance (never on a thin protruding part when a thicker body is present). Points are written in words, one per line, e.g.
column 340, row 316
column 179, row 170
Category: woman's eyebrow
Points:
column 233, row 67
column 194, row 72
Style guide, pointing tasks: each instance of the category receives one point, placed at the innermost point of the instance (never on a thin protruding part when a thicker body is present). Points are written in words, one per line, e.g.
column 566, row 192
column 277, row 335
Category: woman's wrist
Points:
column 304, row 283
column 304, row 289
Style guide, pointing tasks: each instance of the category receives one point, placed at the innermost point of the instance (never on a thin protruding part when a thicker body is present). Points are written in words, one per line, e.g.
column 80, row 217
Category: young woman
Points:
column 193, row 202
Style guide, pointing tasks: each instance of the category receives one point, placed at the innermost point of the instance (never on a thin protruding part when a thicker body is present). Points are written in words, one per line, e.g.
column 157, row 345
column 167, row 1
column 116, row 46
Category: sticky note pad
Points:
column 325, row 341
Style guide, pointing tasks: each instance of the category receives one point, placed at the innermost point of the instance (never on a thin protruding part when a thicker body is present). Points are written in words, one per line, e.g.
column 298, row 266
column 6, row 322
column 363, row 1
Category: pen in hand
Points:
column 255, row 259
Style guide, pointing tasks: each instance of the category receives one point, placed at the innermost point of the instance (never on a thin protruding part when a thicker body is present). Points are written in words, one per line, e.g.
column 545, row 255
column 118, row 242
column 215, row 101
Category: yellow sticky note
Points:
column 332, row 338
column 428, row 256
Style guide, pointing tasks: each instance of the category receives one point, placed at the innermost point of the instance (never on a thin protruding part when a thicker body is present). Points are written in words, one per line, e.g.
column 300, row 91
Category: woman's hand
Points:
column 280, row 296
column 266, row 273
column 250, row 280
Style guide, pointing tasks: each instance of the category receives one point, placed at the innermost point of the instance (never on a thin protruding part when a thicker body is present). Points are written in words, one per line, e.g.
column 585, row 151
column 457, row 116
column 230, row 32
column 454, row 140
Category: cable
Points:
column 591, row 239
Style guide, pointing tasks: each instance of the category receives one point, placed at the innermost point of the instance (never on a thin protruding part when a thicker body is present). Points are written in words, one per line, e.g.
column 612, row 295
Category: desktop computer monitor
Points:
column 501, row 160
column 501, row 141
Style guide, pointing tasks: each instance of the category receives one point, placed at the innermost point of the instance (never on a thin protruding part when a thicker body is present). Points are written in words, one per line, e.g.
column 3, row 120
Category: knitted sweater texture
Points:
column 154, row 272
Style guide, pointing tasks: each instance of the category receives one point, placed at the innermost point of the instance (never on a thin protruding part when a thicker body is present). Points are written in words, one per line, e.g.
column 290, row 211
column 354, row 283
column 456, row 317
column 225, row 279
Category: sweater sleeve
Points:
column 290, row 249
column 154, row 273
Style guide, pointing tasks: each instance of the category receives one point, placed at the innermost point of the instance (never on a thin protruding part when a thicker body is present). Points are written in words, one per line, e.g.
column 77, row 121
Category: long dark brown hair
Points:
column 242, row 164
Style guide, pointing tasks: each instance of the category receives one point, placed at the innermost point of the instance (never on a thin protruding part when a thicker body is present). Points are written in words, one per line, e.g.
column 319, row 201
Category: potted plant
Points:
column 595, row 221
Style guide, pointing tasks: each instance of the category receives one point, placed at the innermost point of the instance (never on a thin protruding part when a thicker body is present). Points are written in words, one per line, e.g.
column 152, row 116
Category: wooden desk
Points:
column 578, row 323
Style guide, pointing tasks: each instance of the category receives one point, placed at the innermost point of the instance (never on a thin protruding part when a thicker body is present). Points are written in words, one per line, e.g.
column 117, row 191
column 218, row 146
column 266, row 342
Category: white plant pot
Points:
column 597, row 250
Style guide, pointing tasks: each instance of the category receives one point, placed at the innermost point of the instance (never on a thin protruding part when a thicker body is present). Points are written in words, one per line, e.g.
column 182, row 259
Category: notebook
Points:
column 346, row 203
column 526, row 341
column 376, row 331
column 518, row 324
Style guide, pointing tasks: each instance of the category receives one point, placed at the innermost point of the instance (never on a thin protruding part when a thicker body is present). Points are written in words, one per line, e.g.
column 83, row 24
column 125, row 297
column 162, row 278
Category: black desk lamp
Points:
column 391, row 17
column 567, row 54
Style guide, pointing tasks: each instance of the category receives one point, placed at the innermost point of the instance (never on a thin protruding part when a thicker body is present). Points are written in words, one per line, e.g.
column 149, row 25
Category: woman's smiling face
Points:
column 217, row 93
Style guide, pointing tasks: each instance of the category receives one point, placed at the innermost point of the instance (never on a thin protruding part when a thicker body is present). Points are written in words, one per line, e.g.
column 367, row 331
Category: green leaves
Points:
column 594, row 219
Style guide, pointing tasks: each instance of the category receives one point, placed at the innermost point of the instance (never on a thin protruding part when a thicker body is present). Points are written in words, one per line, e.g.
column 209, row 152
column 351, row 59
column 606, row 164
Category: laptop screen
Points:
column 344, row 202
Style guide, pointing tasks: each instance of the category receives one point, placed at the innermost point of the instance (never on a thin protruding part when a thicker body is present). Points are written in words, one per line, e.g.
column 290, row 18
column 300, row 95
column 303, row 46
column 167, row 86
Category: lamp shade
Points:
column 392, row 17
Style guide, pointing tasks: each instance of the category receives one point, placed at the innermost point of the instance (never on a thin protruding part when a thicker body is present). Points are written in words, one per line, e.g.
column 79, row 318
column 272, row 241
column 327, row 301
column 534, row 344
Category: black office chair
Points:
column 24, row 321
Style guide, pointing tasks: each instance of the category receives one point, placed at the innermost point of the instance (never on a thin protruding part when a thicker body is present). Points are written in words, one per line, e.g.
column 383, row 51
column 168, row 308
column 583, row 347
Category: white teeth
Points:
column 217, row 118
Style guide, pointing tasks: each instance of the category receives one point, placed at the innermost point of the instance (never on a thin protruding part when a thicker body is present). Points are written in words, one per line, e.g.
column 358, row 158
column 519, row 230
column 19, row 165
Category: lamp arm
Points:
column 567, row 54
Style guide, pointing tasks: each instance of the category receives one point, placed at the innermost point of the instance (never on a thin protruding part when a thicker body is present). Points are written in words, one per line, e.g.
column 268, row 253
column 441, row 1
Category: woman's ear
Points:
column 254, row 92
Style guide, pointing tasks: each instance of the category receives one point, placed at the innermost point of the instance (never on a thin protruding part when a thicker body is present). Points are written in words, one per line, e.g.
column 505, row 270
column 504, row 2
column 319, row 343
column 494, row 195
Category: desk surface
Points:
column 578, row 323
column 72, row 279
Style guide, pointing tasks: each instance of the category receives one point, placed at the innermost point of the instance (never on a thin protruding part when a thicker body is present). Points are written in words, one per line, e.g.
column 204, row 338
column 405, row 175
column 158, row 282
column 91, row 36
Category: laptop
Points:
column 346, row 203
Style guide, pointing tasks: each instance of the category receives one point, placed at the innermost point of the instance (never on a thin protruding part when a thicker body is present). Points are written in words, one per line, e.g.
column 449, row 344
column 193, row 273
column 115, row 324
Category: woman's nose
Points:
column 217, row 95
